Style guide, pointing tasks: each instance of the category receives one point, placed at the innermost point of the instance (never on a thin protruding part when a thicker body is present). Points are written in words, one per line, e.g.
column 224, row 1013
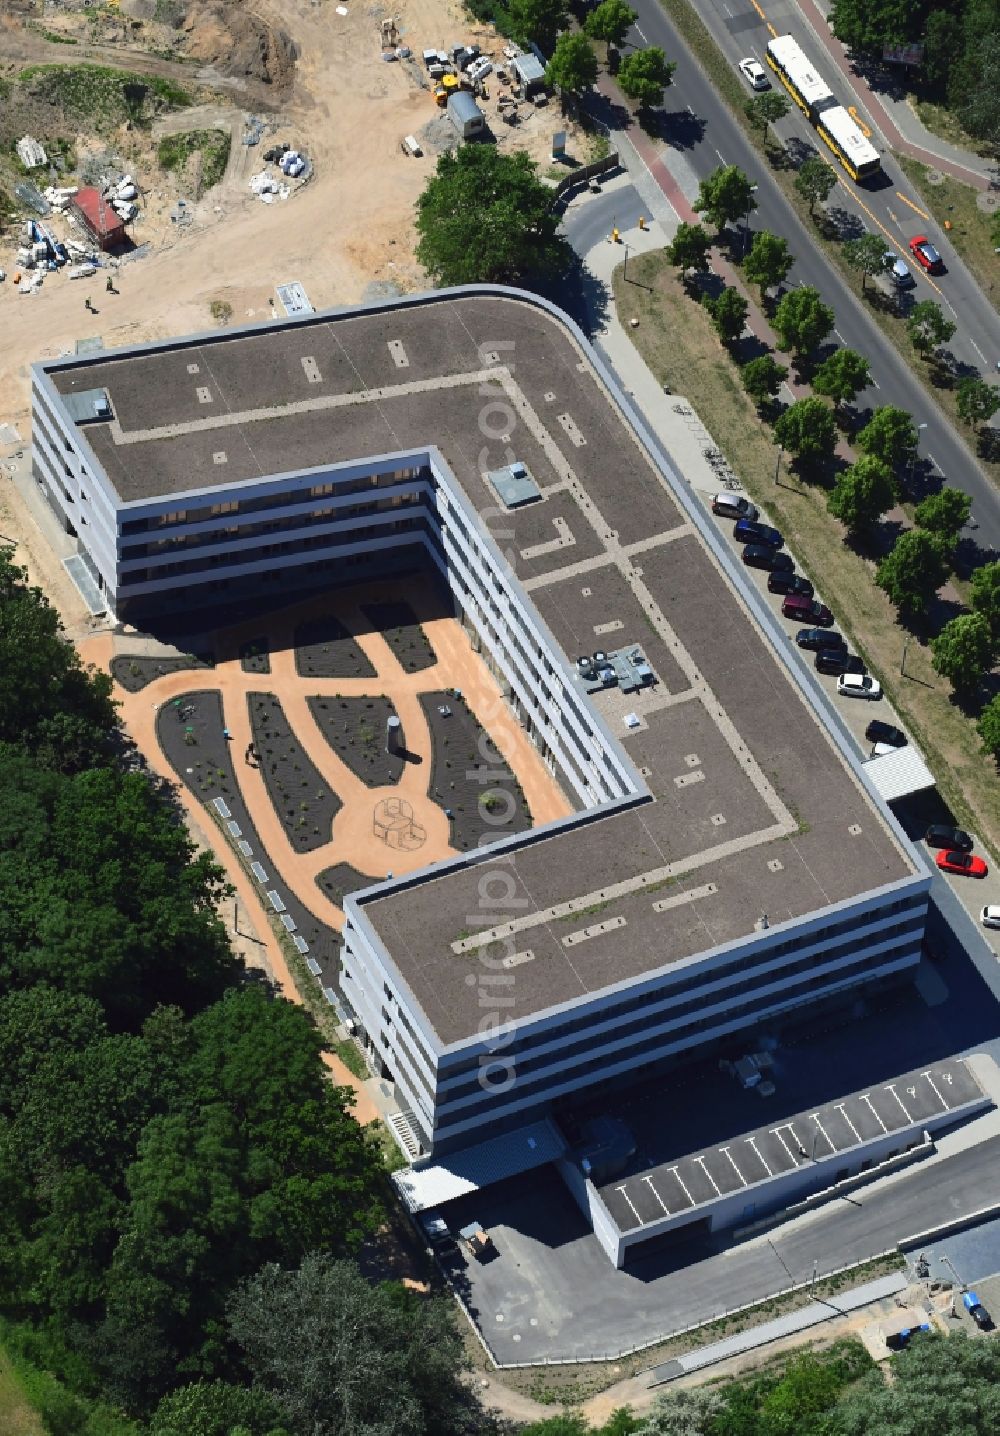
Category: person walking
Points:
column 89, row 306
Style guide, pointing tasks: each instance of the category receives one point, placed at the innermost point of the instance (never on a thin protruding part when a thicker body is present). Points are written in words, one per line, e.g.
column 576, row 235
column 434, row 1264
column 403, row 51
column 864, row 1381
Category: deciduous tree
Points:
column 868, row 255
column 643, row 75
column 765, row 110
column 802, row 321
column 945, row 513
column 963, row 652
column 729, row 314
column 977, row 400
column 814, row 181
column 862, row 494
column 868, row 25
column 889, row 435
column 842, row 376
column 984, row 595
column 573, row 67
column 913, row 571
column 763, row 377
column 610, row 21
column 216, row 1408
column 724, row 196
column 485, row 217
column 988, row 727
column 807, row 430
column 689, row 249
column 538, row 20
column 928, row 328
column 951, row 1382
column 768, row 262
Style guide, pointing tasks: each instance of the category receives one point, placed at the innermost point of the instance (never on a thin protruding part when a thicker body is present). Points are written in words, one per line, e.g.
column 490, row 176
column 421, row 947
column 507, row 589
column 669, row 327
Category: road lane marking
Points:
column 937, row 1091
column 734, row 1166
column 708, row 1174
column 776, row 1132
column 680, row 1183
column 891, row 1088
column 721, row 155
column 935, row 463
column 758, row 9
column 649, row 1183
column 875, row 382
column 915, row 207
column 774, row 33
column 852, row 111
column 840, row 1109
column 689, row 110
column 631, row 1204
column 840, row 336
column 727, row 10
column 977, row 349
column 639, row 32
column 893, row 240
column 764, row 1164
column 868, row 1103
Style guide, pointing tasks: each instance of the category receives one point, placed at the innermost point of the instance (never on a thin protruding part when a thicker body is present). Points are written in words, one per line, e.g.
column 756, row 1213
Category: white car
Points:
column 990, row 916
column 898, row 271
column 858, row 685
column 754, row 73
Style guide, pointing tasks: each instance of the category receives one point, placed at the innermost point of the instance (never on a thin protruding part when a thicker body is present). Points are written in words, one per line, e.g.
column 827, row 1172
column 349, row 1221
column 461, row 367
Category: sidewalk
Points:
column 895, row 118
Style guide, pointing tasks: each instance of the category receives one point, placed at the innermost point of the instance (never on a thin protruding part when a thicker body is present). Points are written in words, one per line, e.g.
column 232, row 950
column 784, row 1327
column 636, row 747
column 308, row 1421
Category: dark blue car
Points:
column 747, row 531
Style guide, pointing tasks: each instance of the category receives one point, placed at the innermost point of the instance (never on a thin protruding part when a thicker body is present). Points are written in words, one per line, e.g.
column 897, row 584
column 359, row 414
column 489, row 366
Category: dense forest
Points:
column 961, row 40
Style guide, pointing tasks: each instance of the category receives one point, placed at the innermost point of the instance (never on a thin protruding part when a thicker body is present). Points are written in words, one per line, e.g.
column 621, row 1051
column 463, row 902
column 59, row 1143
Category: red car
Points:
column 925, row 254
column 965, row 864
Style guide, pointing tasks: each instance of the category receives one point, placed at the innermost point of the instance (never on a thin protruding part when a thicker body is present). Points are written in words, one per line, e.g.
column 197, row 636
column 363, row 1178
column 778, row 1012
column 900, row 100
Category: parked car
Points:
column 925, row 254
column 761, row 555
column 977, row 1311
column 837, row 660
column 965, row 865
column 750, row 531
column 990, row 915
column 939, row 835
column 734, row 506
column 806, row 610
column 819, row 638
column 879, row 732
column 898, row 271
column 859, row 685
column 435, row 1230
column 754, row 73
column 790, row 583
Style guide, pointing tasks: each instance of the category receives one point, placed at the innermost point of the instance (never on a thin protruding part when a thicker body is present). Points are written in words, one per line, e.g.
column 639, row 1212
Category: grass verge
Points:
column 725, row 80
column 174, row 151
column 941, row 122
column 971, row 228
column 677, row 341
column 17, row 1415
column 572, row 1385
column 35, row 1402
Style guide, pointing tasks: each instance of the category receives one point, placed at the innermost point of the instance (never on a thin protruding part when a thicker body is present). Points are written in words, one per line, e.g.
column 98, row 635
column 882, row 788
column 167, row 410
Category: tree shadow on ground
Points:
column 606, row 112
column 748, row 347
column 842, row 225
column 988, row 445
column 579, row 292
column 920, row 479
column 677, row 128
column 970, row 555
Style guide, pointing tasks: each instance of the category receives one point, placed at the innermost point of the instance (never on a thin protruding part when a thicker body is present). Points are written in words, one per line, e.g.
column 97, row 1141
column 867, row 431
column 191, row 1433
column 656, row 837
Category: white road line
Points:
column 840, row 336
column 680, row 1183
column 876, row 383
column 689, row 110
column 708, row 1174
column 763, row 1163
column 890, row 1088
column 935, row 463
column 776, row 1132
column 639, row 32
column 727, row 10
column 840, row 1109
column 826, row 1135
column 977, row 349
column 631, row 1204
column 937, row 1091
column 720, row 154
column 649, row 1184
column 868, row 1101
column 733, row 1165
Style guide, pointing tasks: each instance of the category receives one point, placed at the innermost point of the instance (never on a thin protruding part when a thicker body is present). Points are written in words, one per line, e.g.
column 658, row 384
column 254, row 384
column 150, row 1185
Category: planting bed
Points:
column 135, row 672
column 325, row 649
column 201, row 757
column 398, row 625
column 301, row 795
column 254, row 657
column 355, row 730
column 462, row 755
column 340, row 880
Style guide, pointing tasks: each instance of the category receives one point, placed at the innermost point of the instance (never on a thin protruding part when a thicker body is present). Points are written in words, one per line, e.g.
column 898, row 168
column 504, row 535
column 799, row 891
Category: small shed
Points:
column 466, row 115
column 98, row 217
column 530, row 72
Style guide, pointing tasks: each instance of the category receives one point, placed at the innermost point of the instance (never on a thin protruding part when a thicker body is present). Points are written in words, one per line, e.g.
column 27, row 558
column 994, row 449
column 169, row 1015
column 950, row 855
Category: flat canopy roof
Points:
column 754, row 809
column 899, row 773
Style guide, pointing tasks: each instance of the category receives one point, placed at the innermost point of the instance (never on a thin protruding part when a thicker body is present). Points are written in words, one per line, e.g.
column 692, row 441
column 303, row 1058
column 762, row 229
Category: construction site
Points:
column 331, row 121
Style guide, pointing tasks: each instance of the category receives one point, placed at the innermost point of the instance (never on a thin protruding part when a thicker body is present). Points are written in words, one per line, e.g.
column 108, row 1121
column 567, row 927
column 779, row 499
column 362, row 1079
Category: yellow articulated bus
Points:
column 825, row 113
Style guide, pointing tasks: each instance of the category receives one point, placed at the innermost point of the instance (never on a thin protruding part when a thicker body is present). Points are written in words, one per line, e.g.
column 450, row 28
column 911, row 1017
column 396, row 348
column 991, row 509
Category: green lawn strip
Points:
column 971, row 227
column 17, row 1415
column 726, row 81
column 677, row 341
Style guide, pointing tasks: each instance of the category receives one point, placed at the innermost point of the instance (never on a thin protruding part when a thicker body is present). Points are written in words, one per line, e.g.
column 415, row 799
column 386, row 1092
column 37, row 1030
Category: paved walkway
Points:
column 897, row 120
column 353, row 839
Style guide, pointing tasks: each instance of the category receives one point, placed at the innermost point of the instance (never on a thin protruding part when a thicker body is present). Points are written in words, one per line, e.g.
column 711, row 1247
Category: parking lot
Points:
column 748, row 1161
column 854, row 716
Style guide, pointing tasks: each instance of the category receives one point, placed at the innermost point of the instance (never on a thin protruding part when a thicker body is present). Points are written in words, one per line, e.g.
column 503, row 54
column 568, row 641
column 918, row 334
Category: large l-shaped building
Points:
column 727, row 862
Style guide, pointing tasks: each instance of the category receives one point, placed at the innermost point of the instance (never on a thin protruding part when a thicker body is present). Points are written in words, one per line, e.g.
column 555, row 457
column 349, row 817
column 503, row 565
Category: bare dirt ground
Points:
column 349, row 226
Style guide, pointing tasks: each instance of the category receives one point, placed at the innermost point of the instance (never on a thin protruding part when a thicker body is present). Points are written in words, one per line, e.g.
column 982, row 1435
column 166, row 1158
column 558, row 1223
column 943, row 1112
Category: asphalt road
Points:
column 700, row 126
